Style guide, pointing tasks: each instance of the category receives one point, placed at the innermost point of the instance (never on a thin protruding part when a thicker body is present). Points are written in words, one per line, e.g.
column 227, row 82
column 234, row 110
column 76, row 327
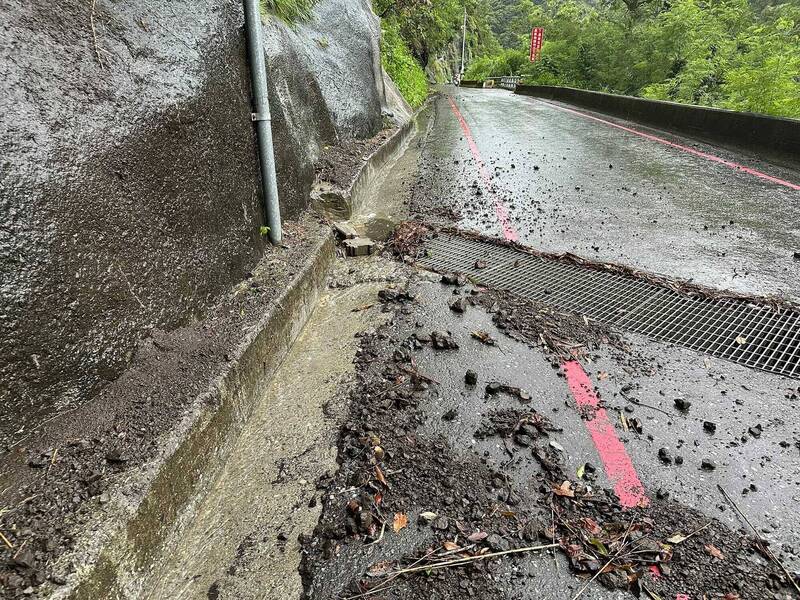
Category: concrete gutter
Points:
column 125, row 537
column 342, row 204
column 773, row 137
column 122, row 540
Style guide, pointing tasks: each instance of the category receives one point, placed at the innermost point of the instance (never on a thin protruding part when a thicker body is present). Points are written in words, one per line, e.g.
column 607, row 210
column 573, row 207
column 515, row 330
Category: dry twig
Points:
column 763, row 548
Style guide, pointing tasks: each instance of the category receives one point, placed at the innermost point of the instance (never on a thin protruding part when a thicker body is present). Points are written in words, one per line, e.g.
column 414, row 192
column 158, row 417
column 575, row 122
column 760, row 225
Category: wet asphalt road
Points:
column 731, row 396
column 570, row 184
column 573, row 184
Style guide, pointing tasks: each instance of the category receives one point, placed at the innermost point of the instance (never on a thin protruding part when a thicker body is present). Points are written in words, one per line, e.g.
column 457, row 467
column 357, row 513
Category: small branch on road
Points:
column 651, row 407
column 767, row 552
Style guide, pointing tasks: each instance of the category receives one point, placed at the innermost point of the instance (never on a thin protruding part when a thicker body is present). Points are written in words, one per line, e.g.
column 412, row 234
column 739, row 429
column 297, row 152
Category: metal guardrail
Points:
column 508, row 82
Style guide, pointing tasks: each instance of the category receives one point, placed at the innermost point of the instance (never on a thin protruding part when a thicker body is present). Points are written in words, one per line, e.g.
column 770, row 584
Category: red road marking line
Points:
column 509, row 232
column 617, row 463
column 654, row 138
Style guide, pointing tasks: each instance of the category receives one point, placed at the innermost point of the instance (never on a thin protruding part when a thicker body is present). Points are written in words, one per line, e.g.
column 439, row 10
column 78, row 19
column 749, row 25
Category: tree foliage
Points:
column 726, row 53
column 401, row 66
column 415, row 32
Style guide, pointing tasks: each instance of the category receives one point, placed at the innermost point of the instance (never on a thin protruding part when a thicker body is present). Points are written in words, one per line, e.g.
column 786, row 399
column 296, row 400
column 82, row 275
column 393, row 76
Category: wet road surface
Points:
column 567, row 182
column 554, row 178
column 545, row 179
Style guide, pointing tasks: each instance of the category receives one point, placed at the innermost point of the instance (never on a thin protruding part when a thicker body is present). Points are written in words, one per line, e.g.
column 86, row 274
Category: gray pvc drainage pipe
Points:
column 262, row 118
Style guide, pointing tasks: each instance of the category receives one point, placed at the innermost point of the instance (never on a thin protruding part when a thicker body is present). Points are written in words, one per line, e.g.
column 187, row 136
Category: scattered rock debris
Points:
column 470, row 528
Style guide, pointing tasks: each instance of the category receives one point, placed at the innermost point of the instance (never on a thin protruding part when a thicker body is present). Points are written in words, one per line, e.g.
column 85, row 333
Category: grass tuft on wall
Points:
column 289, row 11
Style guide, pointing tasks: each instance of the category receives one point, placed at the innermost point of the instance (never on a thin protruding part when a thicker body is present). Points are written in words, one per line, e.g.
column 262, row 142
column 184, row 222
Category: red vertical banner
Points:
column 537, row 36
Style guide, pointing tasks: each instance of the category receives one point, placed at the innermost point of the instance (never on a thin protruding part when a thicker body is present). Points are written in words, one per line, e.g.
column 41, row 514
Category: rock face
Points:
column 129, row 184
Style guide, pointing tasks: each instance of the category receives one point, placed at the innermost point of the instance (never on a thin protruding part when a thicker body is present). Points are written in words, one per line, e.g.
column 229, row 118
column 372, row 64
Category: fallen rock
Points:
column 498, row 543
column 708, row 465
column 459, row 305
column 443, row 340
column 470, row 377
column 458, row 279
column 682, row 404
column 493, row 388
column 360, row 246
column 345, row 230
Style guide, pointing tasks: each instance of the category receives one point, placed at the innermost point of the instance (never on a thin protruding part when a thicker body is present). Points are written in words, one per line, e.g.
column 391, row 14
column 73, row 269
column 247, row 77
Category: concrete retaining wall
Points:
column 770, row 136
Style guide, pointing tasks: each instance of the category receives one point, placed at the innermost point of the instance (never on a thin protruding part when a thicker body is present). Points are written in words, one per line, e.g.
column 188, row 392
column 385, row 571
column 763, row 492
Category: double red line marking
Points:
column 509, row 231
column 616, row 462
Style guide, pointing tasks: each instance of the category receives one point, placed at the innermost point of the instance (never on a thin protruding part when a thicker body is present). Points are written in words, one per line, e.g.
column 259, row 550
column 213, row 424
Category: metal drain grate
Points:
column 752, row 335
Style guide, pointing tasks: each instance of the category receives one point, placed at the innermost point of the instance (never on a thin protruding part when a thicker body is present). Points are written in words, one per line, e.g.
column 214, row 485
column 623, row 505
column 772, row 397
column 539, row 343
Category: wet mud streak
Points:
column 653, row 138
column 616, row 462
column 509, row 232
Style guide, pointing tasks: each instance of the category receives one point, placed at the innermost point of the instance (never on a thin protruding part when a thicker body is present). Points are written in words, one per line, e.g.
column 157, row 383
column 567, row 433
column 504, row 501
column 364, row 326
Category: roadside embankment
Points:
column 772, row 137
column 142, row 312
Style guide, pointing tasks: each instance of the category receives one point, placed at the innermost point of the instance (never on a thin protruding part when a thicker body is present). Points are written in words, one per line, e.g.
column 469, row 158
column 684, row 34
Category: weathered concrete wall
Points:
column 772, row 136
column 129, row 190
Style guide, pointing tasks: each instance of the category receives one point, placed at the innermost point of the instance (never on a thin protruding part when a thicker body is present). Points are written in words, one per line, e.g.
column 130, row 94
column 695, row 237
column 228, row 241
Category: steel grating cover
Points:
column 753, row 335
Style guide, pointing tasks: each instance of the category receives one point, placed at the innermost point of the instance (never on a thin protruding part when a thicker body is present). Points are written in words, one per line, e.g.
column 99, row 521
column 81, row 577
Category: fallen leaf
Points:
column 591, row 526
column 400, row 521
column 484, row 337
column 450, row 545
column 714, row 551
column 581, row 470
column 601, row 375
column 380, row 477
column 380, row 569
column 565, row 489
column 478, row 536
column 600, row 546
column 676, row 538
column 428, row 516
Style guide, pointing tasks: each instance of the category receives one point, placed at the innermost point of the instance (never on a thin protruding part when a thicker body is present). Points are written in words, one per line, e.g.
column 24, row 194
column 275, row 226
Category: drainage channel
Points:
column 750, row 334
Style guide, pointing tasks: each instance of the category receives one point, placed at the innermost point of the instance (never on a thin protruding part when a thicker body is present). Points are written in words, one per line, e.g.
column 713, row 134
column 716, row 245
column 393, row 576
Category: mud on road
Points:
column 468, row 466
column 446, row 458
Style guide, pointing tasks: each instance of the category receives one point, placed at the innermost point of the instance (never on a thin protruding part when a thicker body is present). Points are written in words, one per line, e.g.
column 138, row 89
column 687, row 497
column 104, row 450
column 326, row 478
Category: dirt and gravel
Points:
column 58, row 476
column 423, row 511
column 466, row 472
column 340, row 164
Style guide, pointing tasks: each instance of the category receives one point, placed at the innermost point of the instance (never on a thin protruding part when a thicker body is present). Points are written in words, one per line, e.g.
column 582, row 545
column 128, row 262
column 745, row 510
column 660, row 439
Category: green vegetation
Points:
column 426, row 34
column 727, row 53
column 401, row 66
column 290, row 11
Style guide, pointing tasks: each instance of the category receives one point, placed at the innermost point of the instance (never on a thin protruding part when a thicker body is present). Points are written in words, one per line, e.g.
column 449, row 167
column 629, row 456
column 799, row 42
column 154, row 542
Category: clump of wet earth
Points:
column 419, row 510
